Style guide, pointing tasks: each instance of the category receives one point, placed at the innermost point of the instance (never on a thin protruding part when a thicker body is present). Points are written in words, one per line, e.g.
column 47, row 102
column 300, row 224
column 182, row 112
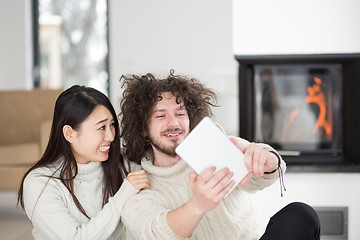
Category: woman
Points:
column 77, row 189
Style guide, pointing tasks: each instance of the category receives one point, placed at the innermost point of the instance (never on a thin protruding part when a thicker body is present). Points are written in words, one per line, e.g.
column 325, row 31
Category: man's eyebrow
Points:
column 182, row 107
column 159, row 110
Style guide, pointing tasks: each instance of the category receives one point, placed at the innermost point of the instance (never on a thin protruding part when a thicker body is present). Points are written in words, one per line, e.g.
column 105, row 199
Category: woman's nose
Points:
column 110, row 134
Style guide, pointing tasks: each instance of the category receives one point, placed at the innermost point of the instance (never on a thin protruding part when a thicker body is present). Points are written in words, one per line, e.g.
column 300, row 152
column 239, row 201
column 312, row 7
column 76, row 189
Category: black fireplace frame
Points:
column 349, row 159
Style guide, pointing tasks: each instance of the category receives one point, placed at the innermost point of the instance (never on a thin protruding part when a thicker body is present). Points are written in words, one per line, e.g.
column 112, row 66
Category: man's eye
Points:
column 160, row 116
column 181, row 114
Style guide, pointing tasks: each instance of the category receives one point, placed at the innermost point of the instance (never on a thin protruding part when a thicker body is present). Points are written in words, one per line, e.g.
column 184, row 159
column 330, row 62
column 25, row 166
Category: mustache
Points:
column 169, row 130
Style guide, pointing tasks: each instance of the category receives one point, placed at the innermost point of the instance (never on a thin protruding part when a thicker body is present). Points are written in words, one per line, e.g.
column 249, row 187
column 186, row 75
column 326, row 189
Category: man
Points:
column 157, row 114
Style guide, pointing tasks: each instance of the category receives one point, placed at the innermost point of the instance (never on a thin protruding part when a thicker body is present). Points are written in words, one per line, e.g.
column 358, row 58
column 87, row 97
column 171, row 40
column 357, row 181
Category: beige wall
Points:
column 192, row 37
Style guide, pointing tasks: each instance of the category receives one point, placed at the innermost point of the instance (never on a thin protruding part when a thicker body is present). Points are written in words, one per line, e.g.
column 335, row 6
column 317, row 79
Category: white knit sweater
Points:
column 145, row 213
column 54, row 215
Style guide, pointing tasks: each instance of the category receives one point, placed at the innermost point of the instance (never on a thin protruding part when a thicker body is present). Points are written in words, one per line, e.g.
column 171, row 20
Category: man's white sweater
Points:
column 145, row 213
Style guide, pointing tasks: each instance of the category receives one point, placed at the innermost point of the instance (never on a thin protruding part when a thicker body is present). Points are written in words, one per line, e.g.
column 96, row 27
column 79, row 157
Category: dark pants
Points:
column 296, row 221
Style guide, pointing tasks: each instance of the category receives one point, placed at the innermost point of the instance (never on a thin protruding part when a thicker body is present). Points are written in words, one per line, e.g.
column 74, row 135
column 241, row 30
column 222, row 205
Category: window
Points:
column 71, row 44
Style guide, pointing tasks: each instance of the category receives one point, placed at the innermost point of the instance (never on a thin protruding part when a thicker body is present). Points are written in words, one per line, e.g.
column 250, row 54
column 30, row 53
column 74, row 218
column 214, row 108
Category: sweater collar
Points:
column 89, row 171
column 176, row 169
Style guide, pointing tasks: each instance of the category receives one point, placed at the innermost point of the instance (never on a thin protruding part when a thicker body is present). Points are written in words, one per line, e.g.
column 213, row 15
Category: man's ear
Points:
column 145, row 133
column 69, row 133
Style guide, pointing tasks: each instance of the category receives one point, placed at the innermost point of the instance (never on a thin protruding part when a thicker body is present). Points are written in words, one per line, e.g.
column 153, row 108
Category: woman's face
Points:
column 92, row 141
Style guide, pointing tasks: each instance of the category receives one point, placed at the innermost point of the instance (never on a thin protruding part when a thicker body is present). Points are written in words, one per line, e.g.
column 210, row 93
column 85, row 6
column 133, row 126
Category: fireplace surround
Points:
column 306, row 106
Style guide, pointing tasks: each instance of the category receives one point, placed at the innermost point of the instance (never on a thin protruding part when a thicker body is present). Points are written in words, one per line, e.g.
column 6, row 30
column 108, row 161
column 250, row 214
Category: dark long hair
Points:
column 72, row 107
column 139, row 98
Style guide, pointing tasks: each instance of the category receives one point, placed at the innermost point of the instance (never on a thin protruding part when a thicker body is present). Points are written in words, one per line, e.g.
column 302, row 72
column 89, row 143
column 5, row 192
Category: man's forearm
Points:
column 184, row 219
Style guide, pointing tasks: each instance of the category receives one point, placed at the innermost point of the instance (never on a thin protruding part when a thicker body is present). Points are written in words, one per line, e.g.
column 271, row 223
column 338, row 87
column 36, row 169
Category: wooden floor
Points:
column 14, row 224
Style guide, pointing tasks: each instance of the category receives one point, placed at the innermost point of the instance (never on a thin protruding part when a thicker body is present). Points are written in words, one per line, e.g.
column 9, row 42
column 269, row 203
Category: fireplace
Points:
column 306, row 106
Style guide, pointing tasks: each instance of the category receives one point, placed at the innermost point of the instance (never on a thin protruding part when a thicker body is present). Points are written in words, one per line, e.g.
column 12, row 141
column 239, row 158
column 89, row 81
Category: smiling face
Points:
column 168, row 126
column 92, row 141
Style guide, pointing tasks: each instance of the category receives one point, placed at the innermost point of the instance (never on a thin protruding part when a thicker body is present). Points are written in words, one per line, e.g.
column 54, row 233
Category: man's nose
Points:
column 172, row 121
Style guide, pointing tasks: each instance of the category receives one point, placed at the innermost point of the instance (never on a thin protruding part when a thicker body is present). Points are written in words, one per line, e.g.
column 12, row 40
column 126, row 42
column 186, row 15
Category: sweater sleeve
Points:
column 145, row 217
column 48, row 204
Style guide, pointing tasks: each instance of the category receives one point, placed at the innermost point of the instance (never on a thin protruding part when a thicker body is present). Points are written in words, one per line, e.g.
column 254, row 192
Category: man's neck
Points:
column 164, row 160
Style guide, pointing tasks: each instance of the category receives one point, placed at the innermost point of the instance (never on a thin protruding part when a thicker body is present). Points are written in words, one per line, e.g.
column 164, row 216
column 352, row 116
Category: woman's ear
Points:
column 69, row 133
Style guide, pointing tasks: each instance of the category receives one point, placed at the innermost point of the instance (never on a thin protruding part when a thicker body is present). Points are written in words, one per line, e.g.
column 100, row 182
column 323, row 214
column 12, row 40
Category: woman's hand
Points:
column 138, row 179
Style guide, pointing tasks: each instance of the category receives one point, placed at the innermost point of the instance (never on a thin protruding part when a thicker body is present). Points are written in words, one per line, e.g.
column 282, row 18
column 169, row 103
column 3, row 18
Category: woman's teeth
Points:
column 104, row 149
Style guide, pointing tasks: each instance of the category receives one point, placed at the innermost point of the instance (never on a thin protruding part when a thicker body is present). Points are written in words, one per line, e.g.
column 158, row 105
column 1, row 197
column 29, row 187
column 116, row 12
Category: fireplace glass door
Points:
column 298, row 107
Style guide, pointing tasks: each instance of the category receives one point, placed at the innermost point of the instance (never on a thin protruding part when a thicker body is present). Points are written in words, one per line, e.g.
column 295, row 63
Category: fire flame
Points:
column 316, row 95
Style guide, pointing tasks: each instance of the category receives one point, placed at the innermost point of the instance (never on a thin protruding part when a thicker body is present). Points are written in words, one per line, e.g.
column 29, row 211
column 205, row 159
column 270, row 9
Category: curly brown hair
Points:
column 139, row 98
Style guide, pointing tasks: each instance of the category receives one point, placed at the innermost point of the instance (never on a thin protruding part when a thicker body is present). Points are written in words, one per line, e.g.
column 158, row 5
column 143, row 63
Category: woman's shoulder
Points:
column 42, row 175
column 41, row 172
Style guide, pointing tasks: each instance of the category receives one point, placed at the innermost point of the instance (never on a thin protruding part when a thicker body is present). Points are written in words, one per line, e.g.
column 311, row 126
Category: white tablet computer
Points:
column 207, row 145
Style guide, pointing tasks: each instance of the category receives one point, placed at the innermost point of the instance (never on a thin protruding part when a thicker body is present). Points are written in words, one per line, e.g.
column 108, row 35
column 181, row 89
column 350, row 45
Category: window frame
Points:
column 36, row 46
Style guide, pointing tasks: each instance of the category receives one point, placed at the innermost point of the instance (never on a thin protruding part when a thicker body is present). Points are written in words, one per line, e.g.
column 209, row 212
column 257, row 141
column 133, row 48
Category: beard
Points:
column 161, row 147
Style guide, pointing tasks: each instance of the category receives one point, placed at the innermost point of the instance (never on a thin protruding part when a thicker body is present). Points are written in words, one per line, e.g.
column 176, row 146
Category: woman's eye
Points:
column 102, row 128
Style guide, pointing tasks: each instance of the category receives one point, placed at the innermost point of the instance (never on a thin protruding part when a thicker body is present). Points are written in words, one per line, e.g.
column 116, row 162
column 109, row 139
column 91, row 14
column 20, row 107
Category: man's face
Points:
column 168, row 125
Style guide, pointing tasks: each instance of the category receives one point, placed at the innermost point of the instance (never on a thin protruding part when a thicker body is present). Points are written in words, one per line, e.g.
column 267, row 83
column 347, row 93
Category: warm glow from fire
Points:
column 290, row 121
column 293, row 115
column 316, row 95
